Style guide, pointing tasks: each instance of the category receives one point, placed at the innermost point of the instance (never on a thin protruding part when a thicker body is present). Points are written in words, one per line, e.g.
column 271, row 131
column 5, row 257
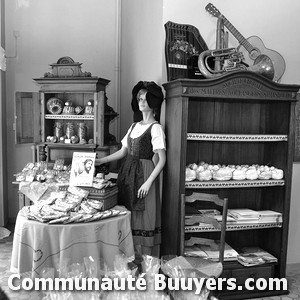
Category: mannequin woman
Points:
column 145, row 150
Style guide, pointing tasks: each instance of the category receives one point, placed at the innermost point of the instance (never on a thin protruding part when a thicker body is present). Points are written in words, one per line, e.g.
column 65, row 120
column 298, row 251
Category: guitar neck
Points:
column 237, row 34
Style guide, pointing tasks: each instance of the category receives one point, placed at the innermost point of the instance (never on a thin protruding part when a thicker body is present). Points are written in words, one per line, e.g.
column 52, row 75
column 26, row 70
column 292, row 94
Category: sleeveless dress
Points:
column 145, row 212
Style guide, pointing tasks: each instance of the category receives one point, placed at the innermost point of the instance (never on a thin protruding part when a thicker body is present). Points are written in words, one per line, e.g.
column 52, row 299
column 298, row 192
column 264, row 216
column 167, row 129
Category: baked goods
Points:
column 224, row 173
column 251, row 173
column 190, row 174
column 277, row 173
column 239, row 173
column 204, row 175
column 265, row 173
column 205, row 172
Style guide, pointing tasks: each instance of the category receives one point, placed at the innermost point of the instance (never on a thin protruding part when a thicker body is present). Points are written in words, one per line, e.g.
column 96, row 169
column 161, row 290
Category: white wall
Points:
column 142, row 50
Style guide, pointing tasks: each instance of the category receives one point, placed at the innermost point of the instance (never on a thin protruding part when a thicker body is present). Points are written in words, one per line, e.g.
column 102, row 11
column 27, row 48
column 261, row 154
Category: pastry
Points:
column 239, row 174
column 252, row 173
column 277, row 174
column 190, row 174
column 224, row 173
column 265, row 173
column 204, row 175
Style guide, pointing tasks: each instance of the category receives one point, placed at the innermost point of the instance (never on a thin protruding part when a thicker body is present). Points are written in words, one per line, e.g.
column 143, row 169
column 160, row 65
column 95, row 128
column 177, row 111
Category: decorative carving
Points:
column 66, row 67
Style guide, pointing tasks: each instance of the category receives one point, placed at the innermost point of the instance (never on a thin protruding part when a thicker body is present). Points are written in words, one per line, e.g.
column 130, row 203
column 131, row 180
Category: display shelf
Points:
column 236, row 137
column 67, row 145
column 239, row 118
column 232, row 184
column 233, row 227
column 69, row 117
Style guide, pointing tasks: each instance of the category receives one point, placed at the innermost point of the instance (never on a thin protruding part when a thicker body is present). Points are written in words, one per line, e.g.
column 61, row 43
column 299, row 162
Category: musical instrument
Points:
column 253, row 49
column 230, row 60
column 182, row 46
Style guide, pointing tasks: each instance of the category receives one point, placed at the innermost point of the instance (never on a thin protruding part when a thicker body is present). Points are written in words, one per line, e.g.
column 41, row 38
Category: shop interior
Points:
column 67, row 74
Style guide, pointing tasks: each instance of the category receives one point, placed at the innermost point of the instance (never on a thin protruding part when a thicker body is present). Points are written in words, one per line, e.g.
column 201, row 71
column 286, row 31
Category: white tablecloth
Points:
column 38, row 245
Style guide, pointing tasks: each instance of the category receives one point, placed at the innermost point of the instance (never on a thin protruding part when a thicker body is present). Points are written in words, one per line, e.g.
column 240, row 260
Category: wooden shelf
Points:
column 69, row 117
column 233, row 227
column 236, row 137
column 239, row 118
column 213, row 184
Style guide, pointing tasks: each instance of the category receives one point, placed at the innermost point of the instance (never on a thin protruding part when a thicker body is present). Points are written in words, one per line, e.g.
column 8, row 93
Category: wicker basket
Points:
column 108, row 196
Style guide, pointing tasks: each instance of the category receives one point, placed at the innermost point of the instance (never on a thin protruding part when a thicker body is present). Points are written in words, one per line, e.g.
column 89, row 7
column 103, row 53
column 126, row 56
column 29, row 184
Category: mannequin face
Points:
column 143, row 104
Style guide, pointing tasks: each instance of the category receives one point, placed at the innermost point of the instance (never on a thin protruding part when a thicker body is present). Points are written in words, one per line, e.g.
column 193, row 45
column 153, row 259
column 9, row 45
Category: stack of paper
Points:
column 210, row 250
column 244, row 215
column 269, row 216
column 252, row 256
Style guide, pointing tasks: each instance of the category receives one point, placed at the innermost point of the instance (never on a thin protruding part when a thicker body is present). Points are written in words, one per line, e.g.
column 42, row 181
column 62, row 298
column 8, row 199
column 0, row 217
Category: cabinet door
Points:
column 27, row 118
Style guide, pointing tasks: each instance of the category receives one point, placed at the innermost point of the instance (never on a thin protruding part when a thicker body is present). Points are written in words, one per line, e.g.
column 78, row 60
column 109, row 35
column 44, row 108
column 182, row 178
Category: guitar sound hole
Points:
column 254, row 53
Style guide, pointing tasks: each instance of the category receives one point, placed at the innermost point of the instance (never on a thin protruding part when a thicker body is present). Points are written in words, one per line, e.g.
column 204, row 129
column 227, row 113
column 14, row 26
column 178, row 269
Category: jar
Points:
column 58, row 129
column 70, row 130
column 82, row 131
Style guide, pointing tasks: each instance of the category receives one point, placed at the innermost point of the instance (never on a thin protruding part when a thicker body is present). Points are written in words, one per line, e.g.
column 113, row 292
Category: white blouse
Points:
column 158, row 136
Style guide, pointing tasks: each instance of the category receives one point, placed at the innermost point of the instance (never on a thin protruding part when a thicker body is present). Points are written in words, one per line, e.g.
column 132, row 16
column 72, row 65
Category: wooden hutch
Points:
column 239, row 118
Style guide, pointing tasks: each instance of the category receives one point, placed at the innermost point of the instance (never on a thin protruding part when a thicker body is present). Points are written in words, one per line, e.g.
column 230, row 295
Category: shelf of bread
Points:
column 69, row 117
column 213, row 184
column 232, row 227
column 204, row 175
column 236, row 137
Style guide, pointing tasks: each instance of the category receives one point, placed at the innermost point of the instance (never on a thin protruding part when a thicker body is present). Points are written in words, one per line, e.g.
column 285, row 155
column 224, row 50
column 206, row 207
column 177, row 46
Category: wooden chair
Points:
column 208, row 267
column 207, row 219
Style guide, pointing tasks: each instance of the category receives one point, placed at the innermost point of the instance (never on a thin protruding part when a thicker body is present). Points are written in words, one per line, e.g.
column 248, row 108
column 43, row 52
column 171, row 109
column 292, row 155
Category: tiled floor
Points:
column 293, row 276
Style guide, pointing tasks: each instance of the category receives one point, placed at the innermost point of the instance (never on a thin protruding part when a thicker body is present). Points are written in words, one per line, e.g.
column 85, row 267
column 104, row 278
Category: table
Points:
column 39, row 245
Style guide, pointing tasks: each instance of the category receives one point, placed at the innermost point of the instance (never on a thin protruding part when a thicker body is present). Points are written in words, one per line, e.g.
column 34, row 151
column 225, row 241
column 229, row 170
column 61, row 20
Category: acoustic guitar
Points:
column 253, row 47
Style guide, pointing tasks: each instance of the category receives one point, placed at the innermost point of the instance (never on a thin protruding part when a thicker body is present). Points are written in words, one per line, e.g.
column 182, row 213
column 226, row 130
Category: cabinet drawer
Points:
column 226, row 274
column 256, row 272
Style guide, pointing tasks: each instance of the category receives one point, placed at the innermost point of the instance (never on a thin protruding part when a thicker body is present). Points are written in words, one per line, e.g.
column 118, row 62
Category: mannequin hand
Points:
column 99, row 161
column 144, row 189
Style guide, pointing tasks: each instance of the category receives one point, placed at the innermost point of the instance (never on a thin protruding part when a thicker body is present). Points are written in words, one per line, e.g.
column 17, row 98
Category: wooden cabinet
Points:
column 240, row 118
column 36, row 122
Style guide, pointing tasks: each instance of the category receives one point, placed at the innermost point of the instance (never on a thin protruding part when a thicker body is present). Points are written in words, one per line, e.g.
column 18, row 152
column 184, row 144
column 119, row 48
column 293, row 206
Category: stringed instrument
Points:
column 253, row 47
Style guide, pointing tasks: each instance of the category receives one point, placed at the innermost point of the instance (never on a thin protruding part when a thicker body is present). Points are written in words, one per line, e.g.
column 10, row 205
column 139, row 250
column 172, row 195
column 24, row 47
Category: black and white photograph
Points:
column 149, row 149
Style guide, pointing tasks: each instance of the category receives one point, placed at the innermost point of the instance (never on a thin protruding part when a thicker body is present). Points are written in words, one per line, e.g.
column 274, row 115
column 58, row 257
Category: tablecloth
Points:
column 39, row 245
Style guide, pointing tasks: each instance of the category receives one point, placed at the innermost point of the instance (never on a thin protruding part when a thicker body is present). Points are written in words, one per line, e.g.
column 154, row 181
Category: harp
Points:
column 183, row 44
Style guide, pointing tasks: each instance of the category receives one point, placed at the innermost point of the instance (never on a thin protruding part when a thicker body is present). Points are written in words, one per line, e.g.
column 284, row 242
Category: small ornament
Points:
column 89, row 109
column 78, row 109
column 53, row 139
column 74, row 139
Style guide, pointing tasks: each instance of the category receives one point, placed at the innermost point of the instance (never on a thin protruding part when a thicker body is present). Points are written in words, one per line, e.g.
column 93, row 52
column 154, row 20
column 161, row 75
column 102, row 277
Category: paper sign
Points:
column 82, row 170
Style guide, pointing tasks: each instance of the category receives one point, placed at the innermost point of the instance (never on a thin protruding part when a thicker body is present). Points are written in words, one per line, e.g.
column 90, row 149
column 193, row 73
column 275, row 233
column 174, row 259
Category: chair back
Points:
column 208, row 219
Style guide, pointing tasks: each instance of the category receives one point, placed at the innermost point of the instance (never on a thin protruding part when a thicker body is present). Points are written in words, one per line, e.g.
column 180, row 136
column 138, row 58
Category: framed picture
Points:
column 82, row 169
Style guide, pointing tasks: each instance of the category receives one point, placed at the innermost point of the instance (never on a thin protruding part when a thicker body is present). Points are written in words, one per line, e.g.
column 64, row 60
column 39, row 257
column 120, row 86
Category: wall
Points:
column 141, row 50
column 49, row 30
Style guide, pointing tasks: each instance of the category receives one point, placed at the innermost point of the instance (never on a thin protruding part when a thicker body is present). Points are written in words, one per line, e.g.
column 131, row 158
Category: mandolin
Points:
column 253, row 47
